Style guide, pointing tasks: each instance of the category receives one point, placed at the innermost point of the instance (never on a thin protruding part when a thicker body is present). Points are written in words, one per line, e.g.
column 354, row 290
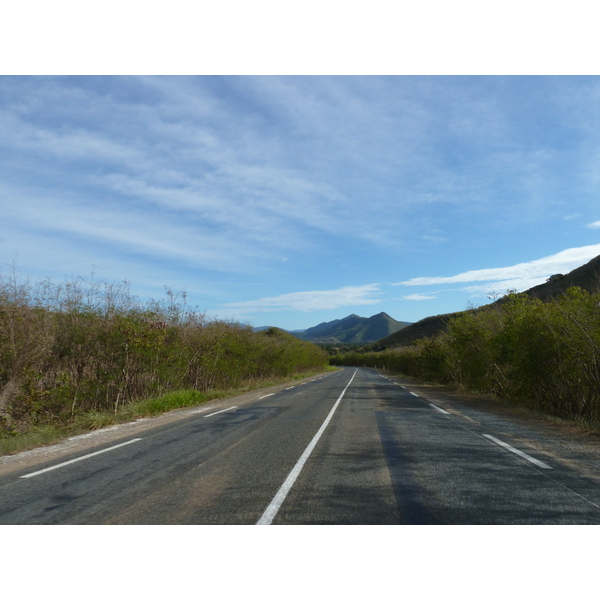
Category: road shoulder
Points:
column 570, row 443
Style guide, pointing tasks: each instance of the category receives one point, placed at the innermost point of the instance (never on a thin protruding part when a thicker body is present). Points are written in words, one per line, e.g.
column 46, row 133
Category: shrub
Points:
column 83, row 346
column 542, row 354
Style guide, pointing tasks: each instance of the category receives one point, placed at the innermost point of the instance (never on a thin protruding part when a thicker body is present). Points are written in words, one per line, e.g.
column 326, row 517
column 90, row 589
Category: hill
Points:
column 586, row 277
column 428, row 327
column 353, row 330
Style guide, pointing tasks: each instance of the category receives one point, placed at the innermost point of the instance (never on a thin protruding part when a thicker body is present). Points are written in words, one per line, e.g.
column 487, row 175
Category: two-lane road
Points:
column 351, row 447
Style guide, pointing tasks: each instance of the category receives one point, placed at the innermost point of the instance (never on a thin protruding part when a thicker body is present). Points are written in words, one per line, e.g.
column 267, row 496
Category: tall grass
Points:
column 88, row 347
column 545, row 355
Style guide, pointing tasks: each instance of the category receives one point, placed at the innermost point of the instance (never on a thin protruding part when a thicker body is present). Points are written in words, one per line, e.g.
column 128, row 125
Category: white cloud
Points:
column 120, row 228
column 186, row 150
column 501, row 287
column 563, row 262
column 419, row 297
column 248, row 154
column 594, row 225
column 315, row 300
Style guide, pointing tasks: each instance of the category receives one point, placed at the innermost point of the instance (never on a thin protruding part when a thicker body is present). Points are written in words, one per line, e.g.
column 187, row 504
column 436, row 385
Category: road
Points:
column 350, row 447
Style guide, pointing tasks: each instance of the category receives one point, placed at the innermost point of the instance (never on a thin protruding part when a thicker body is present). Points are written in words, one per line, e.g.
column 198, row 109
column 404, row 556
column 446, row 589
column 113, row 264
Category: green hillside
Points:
column 353, row 330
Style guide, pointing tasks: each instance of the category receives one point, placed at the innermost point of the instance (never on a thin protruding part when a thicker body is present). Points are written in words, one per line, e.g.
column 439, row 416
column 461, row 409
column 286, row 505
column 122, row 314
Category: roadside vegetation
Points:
column 542, row 355
column 335, row 349
column 80, row 355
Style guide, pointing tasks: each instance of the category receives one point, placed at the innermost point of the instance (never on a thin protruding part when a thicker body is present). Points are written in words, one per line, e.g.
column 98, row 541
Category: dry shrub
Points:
column 544, row 355
column 92, row 346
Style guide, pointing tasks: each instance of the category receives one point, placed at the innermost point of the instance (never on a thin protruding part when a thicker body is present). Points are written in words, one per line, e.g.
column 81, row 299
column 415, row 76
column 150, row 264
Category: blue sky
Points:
column 293, row 200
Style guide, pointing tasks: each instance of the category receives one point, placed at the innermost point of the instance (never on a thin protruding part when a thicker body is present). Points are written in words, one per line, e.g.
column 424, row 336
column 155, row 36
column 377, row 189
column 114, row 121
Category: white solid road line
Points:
column 535, row 461
column 219, row 412
column 267, row 396
column 70, row 462
column 440, row 409
column 273, row 508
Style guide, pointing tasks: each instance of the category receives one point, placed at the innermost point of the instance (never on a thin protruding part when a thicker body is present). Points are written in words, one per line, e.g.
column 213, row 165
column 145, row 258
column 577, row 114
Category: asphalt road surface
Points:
column 350, row 447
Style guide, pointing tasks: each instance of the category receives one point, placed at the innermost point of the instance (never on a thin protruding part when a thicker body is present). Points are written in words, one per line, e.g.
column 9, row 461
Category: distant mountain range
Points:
column 586, row 277
column 350, row 330
column 382, row 331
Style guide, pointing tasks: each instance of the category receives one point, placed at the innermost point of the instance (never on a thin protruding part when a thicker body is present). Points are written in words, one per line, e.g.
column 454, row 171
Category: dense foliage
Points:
column 542, row 354
column 85, row 346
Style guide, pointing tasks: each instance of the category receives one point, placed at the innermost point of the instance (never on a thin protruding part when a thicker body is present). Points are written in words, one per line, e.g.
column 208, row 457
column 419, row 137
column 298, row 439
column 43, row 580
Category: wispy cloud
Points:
column 594, row 225
column 247, row 154
column 244, row 154
column 562, row 262
column 501, row 287
column 123, row 229
column 419, row 297
column 314, row 300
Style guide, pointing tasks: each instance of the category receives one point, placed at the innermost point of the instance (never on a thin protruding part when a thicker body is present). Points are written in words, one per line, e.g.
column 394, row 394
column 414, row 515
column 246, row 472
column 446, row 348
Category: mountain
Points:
column 427, row 327
column 586, row 277
column 353, row 330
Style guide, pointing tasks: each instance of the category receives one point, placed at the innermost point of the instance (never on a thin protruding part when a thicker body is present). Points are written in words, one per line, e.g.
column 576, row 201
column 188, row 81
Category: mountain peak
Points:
column 344, row 321
column 354, row 330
